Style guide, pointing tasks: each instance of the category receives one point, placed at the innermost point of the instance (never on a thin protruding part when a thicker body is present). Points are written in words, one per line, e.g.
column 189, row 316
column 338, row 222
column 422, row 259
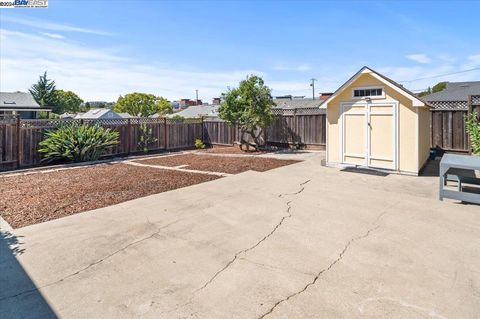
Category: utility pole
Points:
column 196, row 97
column 313, row 87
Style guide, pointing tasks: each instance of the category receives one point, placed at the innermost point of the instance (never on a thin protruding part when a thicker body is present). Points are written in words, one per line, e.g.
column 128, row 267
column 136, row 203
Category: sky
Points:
column 103, row 49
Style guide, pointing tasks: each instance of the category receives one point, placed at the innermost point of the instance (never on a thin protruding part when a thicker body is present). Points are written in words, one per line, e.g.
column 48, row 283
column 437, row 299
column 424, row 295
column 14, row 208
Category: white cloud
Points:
column 288, row 67
column 473, row 61
column 101, row 74
column 418, row 78
column 420, row 58
column 52, row 35
column 47, row 25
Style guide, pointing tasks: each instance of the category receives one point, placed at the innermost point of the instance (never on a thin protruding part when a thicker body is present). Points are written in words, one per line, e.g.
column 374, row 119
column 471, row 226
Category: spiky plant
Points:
column 77, row 143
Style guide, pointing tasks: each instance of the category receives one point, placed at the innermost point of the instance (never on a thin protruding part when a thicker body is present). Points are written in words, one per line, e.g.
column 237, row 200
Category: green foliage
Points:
column 66, row 101
column 440, row 86
column 43, row 91
column 473, row 128
column 142, row 104
column 146, row 137
column 199, row 144
column 45, row 115
column 426, row 92
column 77, row 142
column 177, row 118
column 249, row 106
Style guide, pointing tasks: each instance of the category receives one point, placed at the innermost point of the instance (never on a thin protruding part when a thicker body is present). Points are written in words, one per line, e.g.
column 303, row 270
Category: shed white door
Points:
column 369, row 136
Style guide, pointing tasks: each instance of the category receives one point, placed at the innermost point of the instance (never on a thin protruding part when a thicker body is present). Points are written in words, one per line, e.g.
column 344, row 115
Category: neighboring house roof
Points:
column 455, row 91
column 18, row 100
column 195, row 111
column 127, row 116
column 297, row 103
column 416, row 101
column 98, row 114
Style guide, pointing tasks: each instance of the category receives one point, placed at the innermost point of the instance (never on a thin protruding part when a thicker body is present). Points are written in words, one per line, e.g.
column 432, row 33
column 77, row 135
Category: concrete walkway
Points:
column 301, row 241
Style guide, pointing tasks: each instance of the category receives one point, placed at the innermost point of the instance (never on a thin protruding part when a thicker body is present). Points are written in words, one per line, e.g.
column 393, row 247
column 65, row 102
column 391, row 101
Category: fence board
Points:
column 309, row 129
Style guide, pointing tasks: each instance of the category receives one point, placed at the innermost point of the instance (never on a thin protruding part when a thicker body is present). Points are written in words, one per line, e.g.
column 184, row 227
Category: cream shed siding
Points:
column 410, row 138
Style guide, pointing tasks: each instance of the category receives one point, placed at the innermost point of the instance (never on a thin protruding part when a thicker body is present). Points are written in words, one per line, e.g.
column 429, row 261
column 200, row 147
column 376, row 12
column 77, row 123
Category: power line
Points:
column 440, row 75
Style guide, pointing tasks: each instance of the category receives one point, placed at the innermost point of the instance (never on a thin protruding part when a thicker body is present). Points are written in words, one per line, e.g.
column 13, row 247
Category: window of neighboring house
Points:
column 368, row 92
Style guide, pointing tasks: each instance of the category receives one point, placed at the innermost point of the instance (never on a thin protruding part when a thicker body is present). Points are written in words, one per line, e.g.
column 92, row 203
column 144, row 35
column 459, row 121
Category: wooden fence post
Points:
column 18, row 140
column 129, row 136
column 165, row 139
column 203, row 135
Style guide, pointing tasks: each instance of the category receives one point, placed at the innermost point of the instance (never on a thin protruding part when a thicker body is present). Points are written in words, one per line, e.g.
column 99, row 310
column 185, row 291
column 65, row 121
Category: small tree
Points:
column 43, row 91
column 473, row 129
column 250, row 107
column 142, row 104
column 66, row 101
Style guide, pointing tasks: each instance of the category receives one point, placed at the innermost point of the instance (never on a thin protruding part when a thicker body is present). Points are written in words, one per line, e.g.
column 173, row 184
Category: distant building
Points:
column 95, row 114
column 20, row 103
column 216, row 100
column 197, row 111
column 67, row 115
column 187, row 102
column 296, row 102
column 454, row 96
column 127, row 116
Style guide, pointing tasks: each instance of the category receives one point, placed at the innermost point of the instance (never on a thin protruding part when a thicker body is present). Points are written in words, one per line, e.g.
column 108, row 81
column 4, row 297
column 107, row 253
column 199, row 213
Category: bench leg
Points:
column 440, row 189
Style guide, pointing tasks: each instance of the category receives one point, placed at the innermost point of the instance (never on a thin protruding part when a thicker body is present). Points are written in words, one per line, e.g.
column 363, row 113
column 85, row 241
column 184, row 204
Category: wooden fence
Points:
column 19, row 139
column 447, row 125
column 302, row 130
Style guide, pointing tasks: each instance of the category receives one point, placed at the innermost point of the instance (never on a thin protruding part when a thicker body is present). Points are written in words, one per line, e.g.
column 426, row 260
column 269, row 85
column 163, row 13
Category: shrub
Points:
column 146, row 137
column 177, row 119
column 473, row 129
column 199, row 144
column 77, row 143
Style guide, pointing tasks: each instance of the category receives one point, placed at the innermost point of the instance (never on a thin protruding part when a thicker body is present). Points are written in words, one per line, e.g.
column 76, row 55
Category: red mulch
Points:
column 36, row 198
column 223, row 164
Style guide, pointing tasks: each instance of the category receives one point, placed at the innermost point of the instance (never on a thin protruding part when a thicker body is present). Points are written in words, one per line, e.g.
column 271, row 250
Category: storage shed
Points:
column 375, row 122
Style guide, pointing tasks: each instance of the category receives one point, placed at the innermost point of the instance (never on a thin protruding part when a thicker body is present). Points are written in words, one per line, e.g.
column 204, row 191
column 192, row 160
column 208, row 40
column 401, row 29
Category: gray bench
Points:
column 451, row 168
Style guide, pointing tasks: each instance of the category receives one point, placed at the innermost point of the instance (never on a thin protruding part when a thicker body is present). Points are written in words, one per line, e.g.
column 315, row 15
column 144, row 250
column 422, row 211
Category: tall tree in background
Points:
column 66, row 101
column 250, row 107
column 43, row 91
column 142, row 104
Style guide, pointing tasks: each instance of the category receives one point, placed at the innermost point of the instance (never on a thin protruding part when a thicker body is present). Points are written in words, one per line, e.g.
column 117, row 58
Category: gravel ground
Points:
column 222, row 164
column 36, row 198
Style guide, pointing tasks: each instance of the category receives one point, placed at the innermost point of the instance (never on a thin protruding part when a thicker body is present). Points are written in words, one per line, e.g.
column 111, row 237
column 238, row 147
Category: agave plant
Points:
column 77, row 143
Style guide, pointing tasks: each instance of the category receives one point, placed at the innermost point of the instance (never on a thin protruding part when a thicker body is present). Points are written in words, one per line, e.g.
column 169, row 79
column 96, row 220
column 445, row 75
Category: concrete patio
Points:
column 300, row 241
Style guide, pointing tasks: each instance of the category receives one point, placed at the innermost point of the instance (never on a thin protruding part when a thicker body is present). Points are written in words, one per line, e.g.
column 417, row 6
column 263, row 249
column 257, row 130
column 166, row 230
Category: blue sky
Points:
column 101, row 49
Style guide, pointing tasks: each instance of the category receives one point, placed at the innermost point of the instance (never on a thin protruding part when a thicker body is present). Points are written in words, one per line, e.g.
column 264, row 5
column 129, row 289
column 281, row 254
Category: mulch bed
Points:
column 222, row 164
column 35, row 198
column 232, row 150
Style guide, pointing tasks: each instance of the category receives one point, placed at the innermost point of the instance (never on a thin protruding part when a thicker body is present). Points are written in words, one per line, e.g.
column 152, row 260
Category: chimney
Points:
column 325, row 96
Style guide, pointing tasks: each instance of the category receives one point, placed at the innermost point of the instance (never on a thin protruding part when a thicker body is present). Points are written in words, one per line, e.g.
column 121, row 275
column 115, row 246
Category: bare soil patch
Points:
column 35, row 198
column 222, row 164
column 232, row 150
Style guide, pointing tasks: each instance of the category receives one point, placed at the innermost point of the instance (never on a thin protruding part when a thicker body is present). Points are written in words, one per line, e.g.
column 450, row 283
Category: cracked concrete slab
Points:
column 255, row 245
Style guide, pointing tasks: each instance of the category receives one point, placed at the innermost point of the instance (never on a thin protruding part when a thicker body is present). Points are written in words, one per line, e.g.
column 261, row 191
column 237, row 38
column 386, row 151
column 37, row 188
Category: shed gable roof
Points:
column 416, row 102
